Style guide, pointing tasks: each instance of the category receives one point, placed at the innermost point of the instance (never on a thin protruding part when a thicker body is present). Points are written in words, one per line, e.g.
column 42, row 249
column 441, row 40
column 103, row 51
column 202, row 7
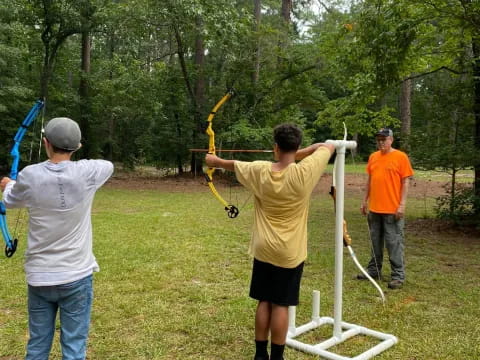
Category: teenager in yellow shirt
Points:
column 279, row 241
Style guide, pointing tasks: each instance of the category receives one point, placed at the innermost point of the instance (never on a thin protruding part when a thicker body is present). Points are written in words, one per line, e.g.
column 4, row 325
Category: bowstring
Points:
column 232, row 193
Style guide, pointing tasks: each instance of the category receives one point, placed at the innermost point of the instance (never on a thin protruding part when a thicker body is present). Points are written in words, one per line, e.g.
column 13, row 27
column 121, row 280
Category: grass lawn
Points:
column 175, row 274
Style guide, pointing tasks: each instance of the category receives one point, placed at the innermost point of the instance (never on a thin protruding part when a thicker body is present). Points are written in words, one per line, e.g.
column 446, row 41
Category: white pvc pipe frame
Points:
column 351, row 330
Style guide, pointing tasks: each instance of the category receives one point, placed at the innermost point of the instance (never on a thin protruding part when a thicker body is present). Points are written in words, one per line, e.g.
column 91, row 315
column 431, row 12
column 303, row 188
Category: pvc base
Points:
column 348, row 331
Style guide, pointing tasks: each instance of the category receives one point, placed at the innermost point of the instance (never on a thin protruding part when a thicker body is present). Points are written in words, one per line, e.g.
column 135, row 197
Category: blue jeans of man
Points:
column 387, row 231
column 73, row 302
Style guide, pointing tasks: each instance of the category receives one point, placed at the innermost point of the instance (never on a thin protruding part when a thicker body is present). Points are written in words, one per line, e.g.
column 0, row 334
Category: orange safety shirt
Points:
column 386, row 173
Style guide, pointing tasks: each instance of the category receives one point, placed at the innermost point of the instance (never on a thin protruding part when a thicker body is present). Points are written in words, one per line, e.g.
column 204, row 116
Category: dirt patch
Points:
column 354, row 184
column 432, row 227
column 185, row 183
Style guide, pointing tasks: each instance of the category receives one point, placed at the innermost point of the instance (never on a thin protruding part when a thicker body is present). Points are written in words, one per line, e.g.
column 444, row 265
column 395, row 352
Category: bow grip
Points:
column 347, row 240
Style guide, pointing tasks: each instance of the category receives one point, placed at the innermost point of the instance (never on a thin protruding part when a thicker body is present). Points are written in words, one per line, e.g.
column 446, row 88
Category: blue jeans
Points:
column 74, row 302
column 386, row 231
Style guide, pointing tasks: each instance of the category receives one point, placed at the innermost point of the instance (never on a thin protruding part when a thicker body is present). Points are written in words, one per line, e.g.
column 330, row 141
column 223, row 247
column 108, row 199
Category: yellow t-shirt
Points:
column 281, row 206
column 386, row 173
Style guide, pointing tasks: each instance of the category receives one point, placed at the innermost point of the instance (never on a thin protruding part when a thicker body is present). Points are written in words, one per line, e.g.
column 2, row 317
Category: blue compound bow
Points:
column 11, row 244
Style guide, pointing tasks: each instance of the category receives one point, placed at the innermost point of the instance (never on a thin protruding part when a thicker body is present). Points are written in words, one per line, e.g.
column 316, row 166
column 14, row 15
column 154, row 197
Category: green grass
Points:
column 463, row 176
column 175, row 274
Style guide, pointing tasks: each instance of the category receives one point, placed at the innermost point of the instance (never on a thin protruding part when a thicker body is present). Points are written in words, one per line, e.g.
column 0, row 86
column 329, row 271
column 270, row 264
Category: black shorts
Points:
column 280, row 286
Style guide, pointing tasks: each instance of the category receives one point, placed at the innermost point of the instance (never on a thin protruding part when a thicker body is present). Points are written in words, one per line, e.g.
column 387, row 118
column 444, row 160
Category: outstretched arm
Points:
column 303, row 153
column 217, row 162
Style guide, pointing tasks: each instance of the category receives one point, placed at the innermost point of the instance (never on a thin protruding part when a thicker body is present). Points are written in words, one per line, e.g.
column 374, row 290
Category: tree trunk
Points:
column 199, row 89
column 476, row 110
column 48, row 60
column 199, row 68
column 45, row 77
column 54, row 31
column 83, row 91
column 285, row 32
column 287, row 6
column 256, row 66
column 111, row 118
column 178, row 129
column 405, row 112
column 453, row 193
column 183, row 66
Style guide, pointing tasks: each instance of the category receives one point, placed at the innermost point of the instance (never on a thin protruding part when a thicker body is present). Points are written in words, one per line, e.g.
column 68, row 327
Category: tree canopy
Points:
column 141, row 76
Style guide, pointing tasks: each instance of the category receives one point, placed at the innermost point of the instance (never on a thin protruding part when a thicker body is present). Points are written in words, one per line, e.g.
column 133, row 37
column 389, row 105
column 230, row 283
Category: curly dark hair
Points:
column 288, row 137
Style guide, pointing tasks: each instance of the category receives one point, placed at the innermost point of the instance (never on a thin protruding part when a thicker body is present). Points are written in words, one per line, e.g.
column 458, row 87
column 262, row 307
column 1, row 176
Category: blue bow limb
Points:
column 15, row 152
column 10, row 243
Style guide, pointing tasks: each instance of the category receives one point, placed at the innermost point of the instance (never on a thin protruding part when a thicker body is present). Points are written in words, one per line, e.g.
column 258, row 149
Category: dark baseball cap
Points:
column 63, row 133
column 384, row 132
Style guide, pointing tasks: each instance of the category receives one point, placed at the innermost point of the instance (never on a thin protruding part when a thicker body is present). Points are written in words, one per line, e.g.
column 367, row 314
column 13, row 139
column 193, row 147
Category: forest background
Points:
column 142, row 76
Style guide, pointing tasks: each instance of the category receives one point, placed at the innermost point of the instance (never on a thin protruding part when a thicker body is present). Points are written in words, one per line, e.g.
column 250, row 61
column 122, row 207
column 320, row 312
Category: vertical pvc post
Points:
column 291, row 319
column 340, row 147
column 315, row 305
column 340, row 191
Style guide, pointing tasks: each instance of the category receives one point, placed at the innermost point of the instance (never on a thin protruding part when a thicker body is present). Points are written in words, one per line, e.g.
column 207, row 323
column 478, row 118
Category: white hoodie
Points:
column 59, row 201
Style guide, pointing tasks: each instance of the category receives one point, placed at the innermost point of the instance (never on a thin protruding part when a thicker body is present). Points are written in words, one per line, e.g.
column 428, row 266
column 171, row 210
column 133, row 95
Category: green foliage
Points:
column 363, row 56
column 444, row 140
column 388, row 30
column 17, row 93
column 458, row 207
column 358, row 118
column 243, row 136
column 342, row 65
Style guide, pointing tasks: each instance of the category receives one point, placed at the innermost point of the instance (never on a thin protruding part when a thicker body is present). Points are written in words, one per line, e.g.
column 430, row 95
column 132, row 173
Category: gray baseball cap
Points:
column 63, row 133
column 384, row 132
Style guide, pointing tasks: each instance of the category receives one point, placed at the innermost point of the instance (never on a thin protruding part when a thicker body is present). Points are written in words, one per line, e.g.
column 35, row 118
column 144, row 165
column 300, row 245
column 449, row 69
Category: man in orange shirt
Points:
column 389, row 171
